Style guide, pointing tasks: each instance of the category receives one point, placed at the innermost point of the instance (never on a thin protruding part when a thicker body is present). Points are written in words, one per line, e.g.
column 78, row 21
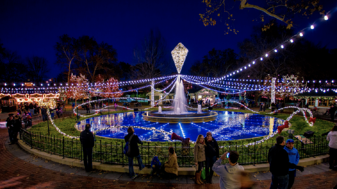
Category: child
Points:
column 52, row 113
column 155, row 164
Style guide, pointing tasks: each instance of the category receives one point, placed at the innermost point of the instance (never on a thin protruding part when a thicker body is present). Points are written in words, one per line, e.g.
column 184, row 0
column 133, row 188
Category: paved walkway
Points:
column 33, row 172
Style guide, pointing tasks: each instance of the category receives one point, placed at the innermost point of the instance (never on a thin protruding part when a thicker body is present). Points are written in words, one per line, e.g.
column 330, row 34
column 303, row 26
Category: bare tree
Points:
column 282, row 10
column 37, row 68
column 94, row 57
column 260, row 42
column 215, row 64
column 150, row 56
column 66, row 52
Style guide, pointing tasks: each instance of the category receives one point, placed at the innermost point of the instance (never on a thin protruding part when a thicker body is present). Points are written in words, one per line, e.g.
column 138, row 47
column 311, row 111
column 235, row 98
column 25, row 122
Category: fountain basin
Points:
column 188, row 117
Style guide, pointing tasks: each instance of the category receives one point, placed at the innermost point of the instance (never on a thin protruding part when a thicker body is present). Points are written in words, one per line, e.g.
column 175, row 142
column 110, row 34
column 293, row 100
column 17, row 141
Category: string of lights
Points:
column 166, row 86
column 270, row 52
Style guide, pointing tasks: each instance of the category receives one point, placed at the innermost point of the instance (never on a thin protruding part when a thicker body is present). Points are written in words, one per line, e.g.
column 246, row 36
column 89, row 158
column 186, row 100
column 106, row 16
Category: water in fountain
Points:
column 179, row 102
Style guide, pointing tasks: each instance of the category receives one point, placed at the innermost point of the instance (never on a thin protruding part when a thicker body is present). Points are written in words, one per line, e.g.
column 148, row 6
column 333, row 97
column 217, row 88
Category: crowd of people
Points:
column 283, row 157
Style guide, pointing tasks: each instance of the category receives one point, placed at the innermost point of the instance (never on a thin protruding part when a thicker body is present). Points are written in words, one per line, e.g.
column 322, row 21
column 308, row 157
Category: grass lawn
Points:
column 110, row 150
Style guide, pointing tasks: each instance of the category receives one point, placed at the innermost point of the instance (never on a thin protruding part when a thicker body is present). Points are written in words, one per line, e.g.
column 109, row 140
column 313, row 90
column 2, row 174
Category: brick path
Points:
column 30, row 175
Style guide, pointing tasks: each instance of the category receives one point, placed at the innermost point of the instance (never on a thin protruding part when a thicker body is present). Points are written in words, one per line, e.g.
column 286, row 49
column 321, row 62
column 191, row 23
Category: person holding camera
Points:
column 229, row 172
column 279, row 164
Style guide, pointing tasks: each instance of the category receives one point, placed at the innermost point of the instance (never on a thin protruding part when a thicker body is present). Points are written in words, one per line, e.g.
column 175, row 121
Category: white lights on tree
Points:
column 179, row 54
column 152, row 93
column 273, row 90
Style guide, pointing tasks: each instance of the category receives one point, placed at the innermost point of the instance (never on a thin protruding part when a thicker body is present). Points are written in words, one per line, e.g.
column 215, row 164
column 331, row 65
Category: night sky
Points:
column 32, row 27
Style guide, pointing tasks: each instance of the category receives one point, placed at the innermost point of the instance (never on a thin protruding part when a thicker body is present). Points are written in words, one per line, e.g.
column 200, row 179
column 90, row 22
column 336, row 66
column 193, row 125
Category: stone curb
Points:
column 125, row 169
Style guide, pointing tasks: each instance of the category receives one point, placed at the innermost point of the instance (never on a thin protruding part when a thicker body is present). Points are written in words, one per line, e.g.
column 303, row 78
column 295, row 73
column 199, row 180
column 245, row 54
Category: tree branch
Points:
column 244, row 4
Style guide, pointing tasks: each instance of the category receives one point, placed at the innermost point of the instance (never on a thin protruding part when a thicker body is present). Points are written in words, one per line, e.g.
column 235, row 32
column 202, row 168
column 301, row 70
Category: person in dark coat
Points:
column 44, row 113
column 88, row 141
column 332, row 112
column 279, row 164
column 10, row 127
column 87, row 107
column 17, row 127
column 133, row 151
column 31, row 109
column 212, row 154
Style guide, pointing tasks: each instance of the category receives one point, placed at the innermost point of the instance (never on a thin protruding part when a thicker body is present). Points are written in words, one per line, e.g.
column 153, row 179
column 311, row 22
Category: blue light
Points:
column 227, row 126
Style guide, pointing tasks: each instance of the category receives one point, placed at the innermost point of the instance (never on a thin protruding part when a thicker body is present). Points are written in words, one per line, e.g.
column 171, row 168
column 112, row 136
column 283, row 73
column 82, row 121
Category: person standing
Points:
column 199, row 157
column 294, row 157
column 87, row 107
column 44, row 113
column 10, row 127
column 260, row 106
column 264, row 106
column 73, row 105
column 229, row 173
column 133, row 151
column 88, row 141
column 279, row 165
column 212, row 154
column 332, row 138
column 31, row 109
column 17, row 127
column 332, row 112
column 51, row 111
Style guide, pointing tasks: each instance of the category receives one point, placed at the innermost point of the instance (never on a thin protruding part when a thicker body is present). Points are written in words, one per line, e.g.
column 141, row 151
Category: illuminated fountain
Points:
column 180, row 114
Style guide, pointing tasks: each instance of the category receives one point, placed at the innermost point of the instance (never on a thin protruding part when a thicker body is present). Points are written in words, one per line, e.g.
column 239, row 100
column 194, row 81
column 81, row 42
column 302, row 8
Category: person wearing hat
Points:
column 88, row 141
column 212, row 154
column 294, row 158
column 279, row 165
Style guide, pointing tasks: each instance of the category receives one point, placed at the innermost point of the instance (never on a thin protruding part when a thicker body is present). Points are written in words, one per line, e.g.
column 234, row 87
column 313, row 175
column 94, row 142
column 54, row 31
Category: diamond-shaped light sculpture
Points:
column 179, row 54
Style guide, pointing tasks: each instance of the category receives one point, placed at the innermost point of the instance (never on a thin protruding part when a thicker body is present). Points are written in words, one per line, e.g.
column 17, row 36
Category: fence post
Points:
column 63, row 147
column 31, row 141
column 148, row 153
column 315, row 147
column 122, row 155
column 54, row 144
column 100, row 149
column 254, row 154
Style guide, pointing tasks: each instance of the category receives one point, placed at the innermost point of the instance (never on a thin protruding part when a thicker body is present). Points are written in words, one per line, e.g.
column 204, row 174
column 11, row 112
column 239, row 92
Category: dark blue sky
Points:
column 32, row 27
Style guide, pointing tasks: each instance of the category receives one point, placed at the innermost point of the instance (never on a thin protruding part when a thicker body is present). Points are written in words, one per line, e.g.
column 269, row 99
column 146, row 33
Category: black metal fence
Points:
column 112, row 153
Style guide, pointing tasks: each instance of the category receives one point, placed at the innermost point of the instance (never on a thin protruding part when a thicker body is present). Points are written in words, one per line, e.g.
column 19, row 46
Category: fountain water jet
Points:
column 179, row 113
column 179, row 102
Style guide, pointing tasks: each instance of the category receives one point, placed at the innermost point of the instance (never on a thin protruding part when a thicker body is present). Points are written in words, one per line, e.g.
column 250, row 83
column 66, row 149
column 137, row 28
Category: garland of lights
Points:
column 275, row 50
column 58, row 129
column 240, row 90
column 298, row 110
column 166, row 86
column 130, row 89
column 138, row 127
column 156, row 102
